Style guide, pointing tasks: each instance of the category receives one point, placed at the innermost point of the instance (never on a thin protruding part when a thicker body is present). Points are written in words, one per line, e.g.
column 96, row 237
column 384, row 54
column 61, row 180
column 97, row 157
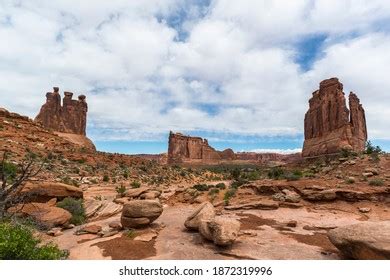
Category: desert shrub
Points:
column 228, row 195
column 17, row 242
column 371, row 149
column 221, row 186
column 238, row 183
column 93, row 181
column 9, row 171
column 376, row 182
column 202, row 187
column 126, row 174
column 75, row 207
column 276, row 173
column 235, row 173
column 106, row 178
column 213, row 191
column 253, row 175
column 121, row 190
column 350, row 180
column 135, row 185
column 131, row 233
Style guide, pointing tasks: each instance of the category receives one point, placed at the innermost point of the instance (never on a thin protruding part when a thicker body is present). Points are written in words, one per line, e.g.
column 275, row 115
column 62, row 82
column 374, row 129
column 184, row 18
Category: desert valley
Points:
column 194, row 202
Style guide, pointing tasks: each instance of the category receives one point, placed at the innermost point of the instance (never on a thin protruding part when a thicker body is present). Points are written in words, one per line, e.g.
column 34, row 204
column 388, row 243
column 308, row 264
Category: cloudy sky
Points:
column 237, row 72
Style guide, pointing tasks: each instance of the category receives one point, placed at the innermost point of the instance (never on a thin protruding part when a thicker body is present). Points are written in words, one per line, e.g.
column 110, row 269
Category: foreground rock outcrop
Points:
column 363, row 241
column 204, row 212
column 45, row 191
column 46, row 214
column 329, row 125
column 140, row 213
column 71, row 117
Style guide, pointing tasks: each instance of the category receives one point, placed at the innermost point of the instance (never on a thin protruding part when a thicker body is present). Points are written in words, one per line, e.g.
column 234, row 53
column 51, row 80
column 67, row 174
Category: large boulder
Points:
column 140, row 213
column 204, row 212
column 223, row 231
column 44, row 191
column 363, row 241
column 45, row 214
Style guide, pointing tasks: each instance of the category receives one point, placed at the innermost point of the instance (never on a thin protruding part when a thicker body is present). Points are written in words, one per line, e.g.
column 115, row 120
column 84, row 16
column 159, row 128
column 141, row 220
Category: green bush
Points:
column 135, row 185
column 10, row 171
column 201, row 187
column 106, row 178
column 121, row 190
column 228, row 195
column 376, row 182
column 75, row 207
column 235, row 173
column 350, row 180
column 221, row 186
column 276, row 173
column 238, row 183
column 18, row 243
column 213, row 191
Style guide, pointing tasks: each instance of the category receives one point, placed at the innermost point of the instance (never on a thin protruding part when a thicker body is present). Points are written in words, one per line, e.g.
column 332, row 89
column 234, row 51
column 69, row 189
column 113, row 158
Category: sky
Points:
column 239, row 73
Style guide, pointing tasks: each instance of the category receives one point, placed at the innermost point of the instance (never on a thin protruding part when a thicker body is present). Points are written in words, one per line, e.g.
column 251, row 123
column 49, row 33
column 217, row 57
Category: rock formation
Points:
column 71, row 117
column 329, row 125
column 182, row 148
column 188, row 149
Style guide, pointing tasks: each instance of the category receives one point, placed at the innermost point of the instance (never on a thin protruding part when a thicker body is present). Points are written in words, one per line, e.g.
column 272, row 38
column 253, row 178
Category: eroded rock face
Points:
column 329, row 125
column 140, row 213
column 363, row 241
column 188, row 149
column 71, row 117
column 182, row 148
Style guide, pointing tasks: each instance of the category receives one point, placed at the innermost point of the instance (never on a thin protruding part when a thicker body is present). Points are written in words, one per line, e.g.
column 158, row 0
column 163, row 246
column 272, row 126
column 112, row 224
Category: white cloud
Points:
column 237, row 59
column 278, row 151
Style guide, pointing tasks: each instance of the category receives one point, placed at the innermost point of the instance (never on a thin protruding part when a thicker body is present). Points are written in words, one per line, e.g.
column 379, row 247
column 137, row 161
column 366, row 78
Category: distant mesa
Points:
column 71, row 117
column 329, row 125
column 188, row 149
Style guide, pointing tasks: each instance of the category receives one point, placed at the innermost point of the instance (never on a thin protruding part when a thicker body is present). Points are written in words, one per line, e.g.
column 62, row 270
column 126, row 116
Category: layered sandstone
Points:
column 70, row 117
column 329, row 125
column 188, row 149
column 183, row 148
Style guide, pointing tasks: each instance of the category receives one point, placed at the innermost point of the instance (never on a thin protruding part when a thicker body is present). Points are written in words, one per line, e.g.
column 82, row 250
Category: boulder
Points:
column 93, row 229
column 44, row 191
column 224, row 231
column 363, row 241
column 205, row 211
column 133, row 193
column 139, row 213
column 45, row 214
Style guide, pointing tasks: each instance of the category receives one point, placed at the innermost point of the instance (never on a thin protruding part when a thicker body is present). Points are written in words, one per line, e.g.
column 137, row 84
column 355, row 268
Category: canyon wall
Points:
column 188, row 149
column 329, row 125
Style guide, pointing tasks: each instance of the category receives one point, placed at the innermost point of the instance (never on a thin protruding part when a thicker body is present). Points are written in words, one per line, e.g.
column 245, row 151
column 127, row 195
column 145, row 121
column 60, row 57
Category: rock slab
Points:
column 363, row 241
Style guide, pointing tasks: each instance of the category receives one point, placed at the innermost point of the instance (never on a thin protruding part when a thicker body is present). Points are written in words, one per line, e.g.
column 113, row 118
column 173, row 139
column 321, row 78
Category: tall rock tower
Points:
column 329, row 125
column 71, row 117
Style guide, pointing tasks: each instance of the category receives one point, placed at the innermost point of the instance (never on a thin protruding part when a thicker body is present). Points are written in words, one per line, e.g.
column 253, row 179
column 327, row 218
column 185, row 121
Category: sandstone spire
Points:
column 329, row 125
column 71, row 117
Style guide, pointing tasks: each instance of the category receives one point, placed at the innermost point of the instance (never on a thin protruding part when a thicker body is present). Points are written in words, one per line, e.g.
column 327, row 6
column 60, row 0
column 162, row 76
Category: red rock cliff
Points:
column 71, row 117
column 329, row 125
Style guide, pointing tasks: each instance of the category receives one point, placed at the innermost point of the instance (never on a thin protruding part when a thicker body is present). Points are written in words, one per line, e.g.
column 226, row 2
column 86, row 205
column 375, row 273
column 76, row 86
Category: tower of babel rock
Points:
column 329, row 125
column 71, row 117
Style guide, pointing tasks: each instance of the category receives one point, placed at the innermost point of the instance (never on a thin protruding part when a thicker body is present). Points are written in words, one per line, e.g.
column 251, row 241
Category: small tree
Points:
column 13, row 176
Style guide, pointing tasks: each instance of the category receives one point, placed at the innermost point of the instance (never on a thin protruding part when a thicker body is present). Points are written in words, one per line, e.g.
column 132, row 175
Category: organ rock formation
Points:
column 329, row 125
